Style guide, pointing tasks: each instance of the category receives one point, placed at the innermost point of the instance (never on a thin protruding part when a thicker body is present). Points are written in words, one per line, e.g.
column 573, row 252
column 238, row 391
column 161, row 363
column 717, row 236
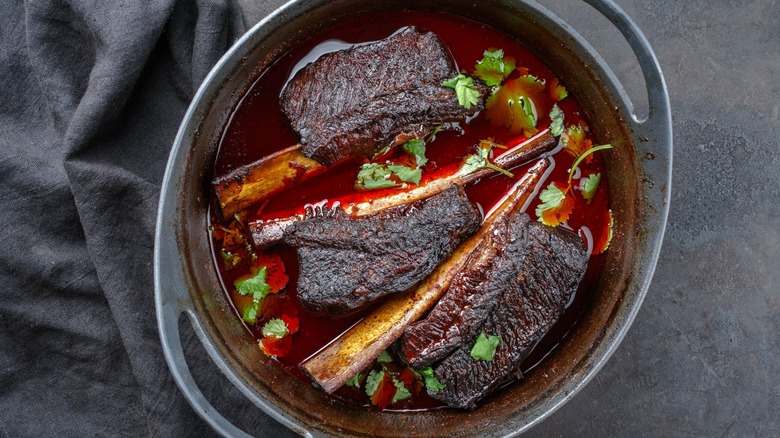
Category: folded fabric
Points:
column 92, row 95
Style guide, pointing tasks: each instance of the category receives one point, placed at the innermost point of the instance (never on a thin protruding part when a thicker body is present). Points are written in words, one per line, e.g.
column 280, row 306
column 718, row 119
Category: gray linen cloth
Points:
column 91, row 96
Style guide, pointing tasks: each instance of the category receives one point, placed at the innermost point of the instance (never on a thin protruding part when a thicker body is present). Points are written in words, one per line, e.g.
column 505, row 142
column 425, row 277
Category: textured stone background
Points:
column 703, row 357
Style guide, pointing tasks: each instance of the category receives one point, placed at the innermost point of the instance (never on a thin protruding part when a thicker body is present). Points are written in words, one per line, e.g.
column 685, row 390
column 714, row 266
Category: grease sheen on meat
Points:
column 353, row 102
column 472, row 295
column 346, row 263
column 533, row 298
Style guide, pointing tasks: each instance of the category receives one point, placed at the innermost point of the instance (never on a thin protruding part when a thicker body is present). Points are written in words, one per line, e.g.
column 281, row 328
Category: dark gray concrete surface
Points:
column 703, row 356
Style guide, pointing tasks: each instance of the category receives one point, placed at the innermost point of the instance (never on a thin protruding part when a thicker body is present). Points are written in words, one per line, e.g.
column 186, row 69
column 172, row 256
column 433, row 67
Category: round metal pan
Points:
column 639, row 175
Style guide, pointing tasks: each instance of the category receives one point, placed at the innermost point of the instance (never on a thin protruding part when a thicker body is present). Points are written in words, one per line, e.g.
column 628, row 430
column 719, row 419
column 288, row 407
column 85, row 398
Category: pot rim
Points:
column 172, row 296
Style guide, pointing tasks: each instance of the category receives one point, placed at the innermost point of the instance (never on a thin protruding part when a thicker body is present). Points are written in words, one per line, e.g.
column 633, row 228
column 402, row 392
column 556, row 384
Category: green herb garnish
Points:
column 354, row 381
column 384, row 357
column 275, row 327
column 494, row 67
column 416, row 148
column 557, row 91
column 229, row 259
column 389, row 175
column 557, row 199
column 431, row 383
column 485, row 347
column 374, row 176
column 512, row 105
column 256, row 287
column 386, row 175
column 480, row 160
column 405, row 173
column 556, row 124
column 464, row 87
column 373, row 380
column 590, row 185
column 401, row 392
column 249, row 315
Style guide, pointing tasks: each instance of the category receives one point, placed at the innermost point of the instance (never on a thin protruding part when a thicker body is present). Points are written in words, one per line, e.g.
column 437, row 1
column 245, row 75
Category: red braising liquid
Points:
column 258, row 128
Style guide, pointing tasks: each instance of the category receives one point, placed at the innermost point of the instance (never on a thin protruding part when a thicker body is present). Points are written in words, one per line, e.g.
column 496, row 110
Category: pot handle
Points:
column 171, row 303
column 659, row 112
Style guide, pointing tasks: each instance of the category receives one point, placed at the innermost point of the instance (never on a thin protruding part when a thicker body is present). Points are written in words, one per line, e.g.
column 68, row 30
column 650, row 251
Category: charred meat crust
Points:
column 353, row 102
column 472, row 295
column 346, row 263
column 535, row 296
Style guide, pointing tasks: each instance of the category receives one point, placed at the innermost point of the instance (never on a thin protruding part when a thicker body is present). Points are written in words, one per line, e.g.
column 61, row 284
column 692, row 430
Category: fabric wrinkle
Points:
column 100, row 89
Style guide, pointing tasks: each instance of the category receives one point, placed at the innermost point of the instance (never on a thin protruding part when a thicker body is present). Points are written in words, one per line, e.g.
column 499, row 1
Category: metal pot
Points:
column 639, row 175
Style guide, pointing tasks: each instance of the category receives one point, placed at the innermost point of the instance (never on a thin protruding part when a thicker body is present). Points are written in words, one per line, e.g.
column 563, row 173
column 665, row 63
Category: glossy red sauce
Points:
column 258, row 128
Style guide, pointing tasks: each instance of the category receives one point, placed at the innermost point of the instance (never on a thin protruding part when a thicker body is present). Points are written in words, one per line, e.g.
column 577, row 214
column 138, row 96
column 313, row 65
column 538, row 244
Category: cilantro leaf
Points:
column 384, row 357
column 530, row 110
column 401, row 392
column 383, row 391
column 586, row 155
column 473, row 163
column 249, row 315
column 556, row 124
column 254, row 286
column 480, row 160
column 512, row 105
column 552, row 196
column 373, row 380
column 557, row 91
column 575, row 142
column 379, row 175
column 494, row 67
column 464, row 87
column 388, row 175
column 416, row 148
column 354, row 381
column 431, row 383
column 374, row 176
column 432, row 135
column 556, row 205
column 485, row 347
column 275, row 327
column 257, row 288
column 405, row 173
column 232, row 259
column 590, row 185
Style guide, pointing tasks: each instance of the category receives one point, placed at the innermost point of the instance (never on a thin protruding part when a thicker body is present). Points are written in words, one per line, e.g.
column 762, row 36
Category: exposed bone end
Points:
column 257, row 181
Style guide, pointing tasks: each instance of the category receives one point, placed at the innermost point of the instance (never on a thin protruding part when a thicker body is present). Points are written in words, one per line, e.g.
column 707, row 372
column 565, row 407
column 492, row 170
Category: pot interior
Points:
column 521, row 404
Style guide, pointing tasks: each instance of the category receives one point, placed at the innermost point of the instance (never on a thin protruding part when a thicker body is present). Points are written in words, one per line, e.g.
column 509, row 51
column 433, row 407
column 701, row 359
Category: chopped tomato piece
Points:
column 383, row 396
column 274, row 346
